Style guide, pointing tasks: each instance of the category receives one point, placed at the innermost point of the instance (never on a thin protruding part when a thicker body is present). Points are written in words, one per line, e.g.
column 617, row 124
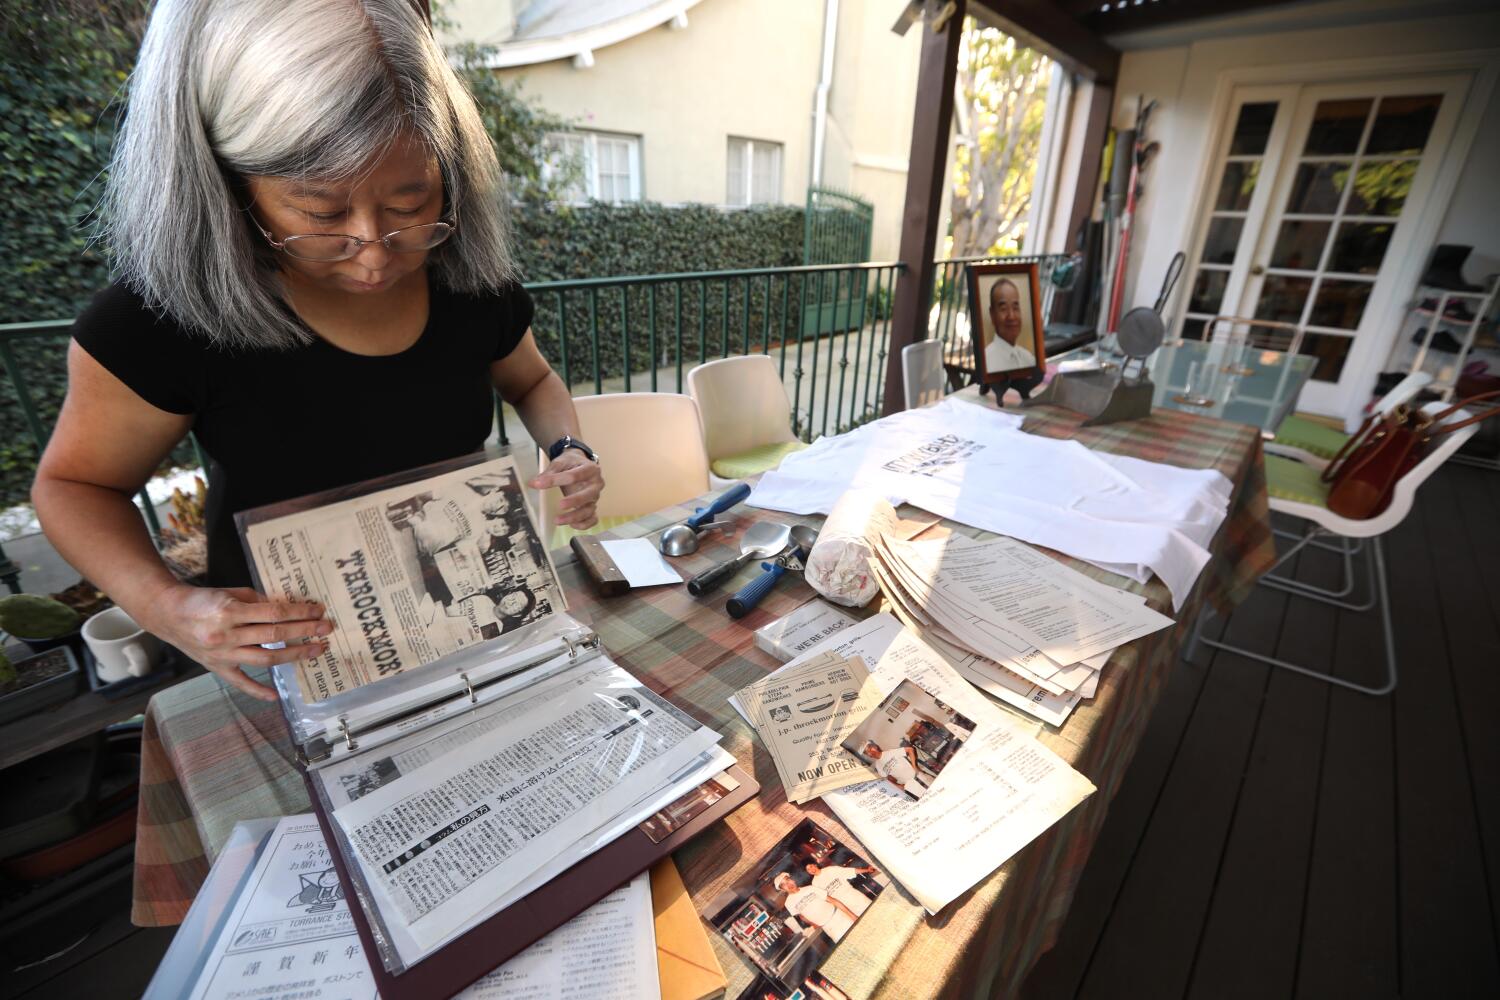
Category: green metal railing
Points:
column 645, row 332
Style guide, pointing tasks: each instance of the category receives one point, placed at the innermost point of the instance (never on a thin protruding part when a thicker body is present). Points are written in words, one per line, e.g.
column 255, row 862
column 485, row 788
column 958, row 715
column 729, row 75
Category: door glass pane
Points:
column 1316, row 188
column 1359, row 247
column 1381, row 188
column 1330, row 349
column 1237, row 186
column 1299, row 245
column 1337, row 127
column 1403, row 123
column 1253, row 129
column 1223, row 238
column 1192, row 329
column 1340, row 303
column 1208, row 291
column 1282, row 297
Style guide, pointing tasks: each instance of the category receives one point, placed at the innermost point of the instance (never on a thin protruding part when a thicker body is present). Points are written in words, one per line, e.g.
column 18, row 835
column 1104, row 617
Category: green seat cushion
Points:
column 563, row 533
column 1289, row 479
column 748, row 463
column 1310, row 436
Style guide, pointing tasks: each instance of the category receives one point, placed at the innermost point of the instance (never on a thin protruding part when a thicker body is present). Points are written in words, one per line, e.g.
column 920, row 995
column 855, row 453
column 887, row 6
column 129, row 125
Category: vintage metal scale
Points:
column 1107, row 394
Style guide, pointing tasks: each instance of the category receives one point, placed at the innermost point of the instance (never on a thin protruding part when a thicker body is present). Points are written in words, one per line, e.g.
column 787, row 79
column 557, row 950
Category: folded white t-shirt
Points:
column 974, row 465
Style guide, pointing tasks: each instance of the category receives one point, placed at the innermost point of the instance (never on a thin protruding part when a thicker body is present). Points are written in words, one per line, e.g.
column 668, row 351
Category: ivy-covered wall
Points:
column 63, row 64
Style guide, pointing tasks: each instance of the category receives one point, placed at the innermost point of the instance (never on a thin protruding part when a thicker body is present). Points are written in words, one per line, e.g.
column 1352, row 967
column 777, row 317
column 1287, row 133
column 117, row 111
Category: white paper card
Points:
column 641, row 563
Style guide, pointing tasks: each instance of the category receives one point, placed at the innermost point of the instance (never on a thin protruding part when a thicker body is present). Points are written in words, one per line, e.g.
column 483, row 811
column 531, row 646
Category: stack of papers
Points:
column 289, row 933
column 996, row 795
column 1019, row 625
column 803, row 713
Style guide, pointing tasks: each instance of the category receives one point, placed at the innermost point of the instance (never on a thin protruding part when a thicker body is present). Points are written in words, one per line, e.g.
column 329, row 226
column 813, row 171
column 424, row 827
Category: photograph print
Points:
column 1005, row 321
column 788, row 912
column 473, row 555
column 909, row 738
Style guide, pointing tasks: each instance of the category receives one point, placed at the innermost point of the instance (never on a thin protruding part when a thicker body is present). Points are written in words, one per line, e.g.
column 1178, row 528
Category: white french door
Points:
column 1312, row 209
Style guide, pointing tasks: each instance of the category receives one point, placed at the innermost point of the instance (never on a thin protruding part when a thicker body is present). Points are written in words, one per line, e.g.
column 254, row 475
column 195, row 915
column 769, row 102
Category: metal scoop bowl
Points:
column 682, row 539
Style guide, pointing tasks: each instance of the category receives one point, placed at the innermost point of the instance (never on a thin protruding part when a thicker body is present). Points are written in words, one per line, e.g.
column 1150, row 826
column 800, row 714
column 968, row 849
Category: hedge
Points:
column 59, row 79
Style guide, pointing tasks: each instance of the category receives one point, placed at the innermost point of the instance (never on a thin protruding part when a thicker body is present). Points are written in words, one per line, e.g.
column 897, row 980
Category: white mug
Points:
column 121, row 648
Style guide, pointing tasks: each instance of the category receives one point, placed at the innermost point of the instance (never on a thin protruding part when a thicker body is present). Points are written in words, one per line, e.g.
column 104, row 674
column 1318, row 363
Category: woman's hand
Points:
column 223, row 630
column 581, row 480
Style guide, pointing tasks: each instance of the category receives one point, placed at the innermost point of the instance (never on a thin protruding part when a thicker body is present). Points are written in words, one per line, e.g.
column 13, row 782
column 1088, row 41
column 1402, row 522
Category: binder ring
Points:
column 572, row 650
column 348, row 734
column 473, row 698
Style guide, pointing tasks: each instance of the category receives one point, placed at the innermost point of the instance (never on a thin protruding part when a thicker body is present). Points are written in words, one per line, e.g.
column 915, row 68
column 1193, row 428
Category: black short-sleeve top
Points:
column 278, row 424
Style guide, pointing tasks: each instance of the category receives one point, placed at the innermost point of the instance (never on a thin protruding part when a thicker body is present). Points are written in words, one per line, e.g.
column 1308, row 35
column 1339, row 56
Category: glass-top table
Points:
column 1226, row 379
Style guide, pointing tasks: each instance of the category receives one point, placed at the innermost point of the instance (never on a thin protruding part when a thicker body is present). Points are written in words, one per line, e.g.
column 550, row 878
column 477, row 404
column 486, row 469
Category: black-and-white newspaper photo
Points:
column 410, row 573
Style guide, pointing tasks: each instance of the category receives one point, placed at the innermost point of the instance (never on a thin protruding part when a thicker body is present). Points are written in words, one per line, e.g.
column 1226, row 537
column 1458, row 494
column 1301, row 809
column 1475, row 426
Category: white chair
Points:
column 922, row 375
column 1297, row 490
column 747, row 418
column 650, row 445
column 1315, row 444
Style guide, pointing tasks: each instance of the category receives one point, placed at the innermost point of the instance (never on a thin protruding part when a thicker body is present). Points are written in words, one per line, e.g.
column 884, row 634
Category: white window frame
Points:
column 591, row 183
column 747, row 165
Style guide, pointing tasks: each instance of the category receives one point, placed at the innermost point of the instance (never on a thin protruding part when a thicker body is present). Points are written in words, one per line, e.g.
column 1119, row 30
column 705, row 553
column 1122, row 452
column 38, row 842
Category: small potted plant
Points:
column 40, row 622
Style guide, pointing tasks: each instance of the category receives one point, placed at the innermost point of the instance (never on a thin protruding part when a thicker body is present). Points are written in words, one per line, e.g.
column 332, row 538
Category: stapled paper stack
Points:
column 1019, row 625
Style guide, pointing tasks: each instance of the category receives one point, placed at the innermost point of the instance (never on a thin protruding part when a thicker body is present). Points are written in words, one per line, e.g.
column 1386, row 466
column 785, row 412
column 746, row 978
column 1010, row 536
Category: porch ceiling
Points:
column 1076, row 32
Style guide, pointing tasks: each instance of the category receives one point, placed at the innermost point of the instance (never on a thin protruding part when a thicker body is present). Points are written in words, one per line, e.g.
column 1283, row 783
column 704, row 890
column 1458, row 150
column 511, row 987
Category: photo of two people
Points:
column 909, row 738
column 803, row 897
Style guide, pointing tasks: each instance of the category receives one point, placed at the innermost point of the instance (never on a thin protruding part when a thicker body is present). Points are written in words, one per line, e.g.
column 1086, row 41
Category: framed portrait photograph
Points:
column 1005, row 320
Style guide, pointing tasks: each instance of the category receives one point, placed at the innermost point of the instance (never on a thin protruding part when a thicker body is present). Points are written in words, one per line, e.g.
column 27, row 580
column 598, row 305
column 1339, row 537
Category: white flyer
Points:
column 996, row 797
column 290, row 934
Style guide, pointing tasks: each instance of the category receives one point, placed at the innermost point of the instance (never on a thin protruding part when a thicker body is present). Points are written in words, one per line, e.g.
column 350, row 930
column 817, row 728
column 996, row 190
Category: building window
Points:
column 754, row 172
column 608, row 165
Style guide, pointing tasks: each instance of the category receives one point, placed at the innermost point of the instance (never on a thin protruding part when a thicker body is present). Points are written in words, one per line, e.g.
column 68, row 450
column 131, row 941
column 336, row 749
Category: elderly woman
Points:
column 308, row 223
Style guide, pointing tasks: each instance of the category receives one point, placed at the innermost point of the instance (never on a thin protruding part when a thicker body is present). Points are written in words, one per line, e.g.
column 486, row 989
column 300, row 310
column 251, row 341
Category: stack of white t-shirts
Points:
column 974, row 465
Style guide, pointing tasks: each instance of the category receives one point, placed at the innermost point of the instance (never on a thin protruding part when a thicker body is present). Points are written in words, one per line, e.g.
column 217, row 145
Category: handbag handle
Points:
column 1357, row 440
column 1443, row 428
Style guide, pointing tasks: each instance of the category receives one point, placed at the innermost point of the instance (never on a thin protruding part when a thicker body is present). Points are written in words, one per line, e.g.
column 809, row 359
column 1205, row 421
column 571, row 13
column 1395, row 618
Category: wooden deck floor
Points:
column 1275, row 837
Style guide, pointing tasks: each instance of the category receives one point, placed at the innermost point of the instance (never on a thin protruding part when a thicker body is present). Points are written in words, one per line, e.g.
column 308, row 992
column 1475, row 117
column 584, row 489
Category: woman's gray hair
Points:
column 316, row 89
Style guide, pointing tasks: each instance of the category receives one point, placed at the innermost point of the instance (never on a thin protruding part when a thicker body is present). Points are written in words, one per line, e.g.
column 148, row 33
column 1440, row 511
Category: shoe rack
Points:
column 1444, row 330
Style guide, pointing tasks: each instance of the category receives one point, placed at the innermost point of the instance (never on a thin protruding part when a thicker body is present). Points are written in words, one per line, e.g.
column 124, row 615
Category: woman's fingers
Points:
column 565, row 477
column 587, row 496
column 250, row 612
column 257, row 634
column 235, row 677
column 257, row 656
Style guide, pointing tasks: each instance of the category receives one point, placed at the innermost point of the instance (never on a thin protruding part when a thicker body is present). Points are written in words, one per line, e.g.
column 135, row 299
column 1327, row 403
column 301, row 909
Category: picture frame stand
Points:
column 1024, row 383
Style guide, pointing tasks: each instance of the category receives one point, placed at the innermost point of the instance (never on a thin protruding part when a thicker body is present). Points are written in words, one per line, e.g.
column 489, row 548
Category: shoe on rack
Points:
column 1447, row 268
column 1441, row 341
column 1453, row 310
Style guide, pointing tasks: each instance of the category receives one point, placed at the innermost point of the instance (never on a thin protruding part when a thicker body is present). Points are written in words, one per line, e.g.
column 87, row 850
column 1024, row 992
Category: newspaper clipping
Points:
column 411, row 573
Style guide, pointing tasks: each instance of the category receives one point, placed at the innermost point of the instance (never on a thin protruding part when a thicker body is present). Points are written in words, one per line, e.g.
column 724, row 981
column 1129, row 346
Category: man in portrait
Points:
column 1010, row 345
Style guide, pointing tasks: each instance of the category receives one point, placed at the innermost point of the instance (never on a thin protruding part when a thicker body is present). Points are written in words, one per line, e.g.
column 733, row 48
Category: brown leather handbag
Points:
column 1362, row 476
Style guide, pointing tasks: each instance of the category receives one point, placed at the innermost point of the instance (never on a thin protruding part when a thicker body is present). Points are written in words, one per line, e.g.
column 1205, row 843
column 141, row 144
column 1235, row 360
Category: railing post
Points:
column 23, row 396
column 924, row 194
column 10, row 572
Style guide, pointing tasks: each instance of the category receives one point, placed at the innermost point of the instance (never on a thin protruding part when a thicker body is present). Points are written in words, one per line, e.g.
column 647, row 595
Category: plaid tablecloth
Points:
column 213, row 757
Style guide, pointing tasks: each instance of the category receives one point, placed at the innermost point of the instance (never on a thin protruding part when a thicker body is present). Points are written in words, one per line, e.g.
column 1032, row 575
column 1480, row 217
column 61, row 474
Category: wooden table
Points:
column 212, row 756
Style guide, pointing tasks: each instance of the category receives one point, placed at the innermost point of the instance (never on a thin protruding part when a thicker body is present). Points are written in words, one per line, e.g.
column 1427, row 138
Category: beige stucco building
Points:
column 725, row 102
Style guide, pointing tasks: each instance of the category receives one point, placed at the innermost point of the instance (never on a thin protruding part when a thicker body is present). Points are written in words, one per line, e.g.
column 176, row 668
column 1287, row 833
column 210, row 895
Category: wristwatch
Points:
column 567, row 441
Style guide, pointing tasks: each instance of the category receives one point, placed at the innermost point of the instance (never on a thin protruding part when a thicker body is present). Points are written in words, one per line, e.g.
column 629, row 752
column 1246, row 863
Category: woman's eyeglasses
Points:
column 331, row 246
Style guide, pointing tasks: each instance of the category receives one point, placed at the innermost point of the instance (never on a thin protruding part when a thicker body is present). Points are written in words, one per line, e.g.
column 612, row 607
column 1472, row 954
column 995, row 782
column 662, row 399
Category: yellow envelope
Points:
column 685, row 959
